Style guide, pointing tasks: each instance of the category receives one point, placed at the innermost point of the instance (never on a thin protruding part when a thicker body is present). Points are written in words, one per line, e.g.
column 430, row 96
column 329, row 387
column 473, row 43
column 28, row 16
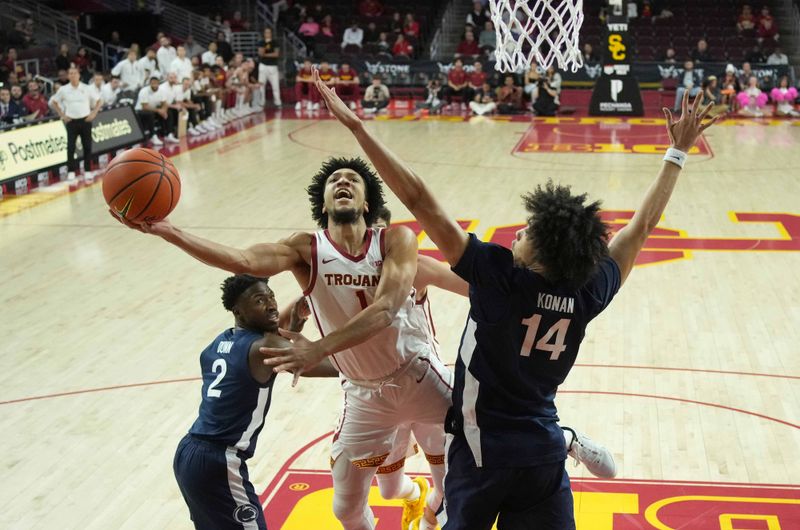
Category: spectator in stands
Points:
column 468, row 47
column 173, row 90
column 477, row 77
column 269, row 53
column 411, row 27
column 484, row 100
column 308, row 31
column 777, row 57
column 353, row 36
column 371, row 34
column 35, row 104
column 347, row 85
column 509, row 97
column 767, row 29
column 63, row 60
column 12, row 66
column 756, row 55
column 487, row 41
column 532, row 78
column 223, row 47
column 669, row 56
column 384, row 46
column 17, row 36
column 10, row 111
column 77, row 108
column 478, row 16
column 149, row 67
column 237, row 23
column 181, row 65
column 61, row 77
column 115, row 49
column 729, row 86
column 784, row 96
column 370, row 8
column 752, row 100
column 192, row 48
column 402, row 48
column 96, row 85
column 744, row 74
column 376, row 96
column 327, row 31
column 746, row 23
column 209, row 56
column 711, row 91
column 237, row 61
column 110, row 91
column 83, row 62
column 166, row 54
column 304, row 88
column 152, row 110
column 691, row 81
column 396, row 23
column 432, row 101
column 701, row 54
column 129, row 72
column 588, row 54
column 183, row 97
column 457, row 85
column 16, row 95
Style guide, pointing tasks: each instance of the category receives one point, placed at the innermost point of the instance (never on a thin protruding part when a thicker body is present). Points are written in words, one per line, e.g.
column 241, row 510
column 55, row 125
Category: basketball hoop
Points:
column 542, row 30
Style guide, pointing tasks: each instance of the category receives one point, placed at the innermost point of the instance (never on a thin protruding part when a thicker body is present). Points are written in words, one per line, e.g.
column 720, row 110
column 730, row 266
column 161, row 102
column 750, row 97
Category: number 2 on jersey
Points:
column 559, row 329
column 223, row 369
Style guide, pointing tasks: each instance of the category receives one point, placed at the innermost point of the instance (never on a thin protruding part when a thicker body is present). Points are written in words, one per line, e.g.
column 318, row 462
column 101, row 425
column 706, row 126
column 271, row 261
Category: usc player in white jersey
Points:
column 359, row 283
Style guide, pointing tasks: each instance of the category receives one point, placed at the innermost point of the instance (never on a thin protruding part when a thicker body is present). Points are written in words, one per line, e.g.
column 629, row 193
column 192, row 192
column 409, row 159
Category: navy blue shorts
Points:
column 215, row 485
column 518, row 498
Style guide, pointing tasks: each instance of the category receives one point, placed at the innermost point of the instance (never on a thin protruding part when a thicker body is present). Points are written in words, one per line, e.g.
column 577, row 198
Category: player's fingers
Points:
column 273, row 352
column 296, row 378
column 668, row 116
column 696, row 103
column 711, row 122
column 685, row 103
column 703, row 113
column 291, row 335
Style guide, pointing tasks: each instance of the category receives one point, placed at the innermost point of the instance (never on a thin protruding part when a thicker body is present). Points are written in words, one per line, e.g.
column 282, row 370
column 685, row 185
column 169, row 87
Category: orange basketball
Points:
column 141, row 185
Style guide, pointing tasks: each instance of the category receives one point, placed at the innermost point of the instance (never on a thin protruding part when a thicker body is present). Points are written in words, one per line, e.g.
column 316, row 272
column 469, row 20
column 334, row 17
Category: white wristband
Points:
column 676, row 156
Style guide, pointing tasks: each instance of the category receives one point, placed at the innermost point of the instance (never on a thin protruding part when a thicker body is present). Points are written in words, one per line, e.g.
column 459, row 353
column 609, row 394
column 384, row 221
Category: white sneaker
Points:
column 88, row 176
column 597, row 459
column 298, row 105
column 171, row 139
column 352, row 105
column 370, row 110
column 315, row 106
column 309, row 106
column 193, row 132
column 155, row 140
column 71, row 175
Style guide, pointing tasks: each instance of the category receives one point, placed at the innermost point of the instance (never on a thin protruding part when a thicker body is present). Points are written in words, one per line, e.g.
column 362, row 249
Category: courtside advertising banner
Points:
column 35, row 148
column 31, row 149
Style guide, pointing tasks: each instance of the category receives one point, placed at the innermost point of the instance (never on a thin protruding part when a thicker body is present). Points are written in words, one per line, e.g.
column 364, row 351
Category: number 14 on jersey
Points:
column 558, row 330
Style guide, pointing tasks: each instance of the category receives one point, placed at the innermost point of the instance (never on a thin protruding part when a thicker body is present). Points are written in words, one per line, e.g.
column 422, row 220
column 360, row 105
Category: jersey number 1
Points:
column 559, row 329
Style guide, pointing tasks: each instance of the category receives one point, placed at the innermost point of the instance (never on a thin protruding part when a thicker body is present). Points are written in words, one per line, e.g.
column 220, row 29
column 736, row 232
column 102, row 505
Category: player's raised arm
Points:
column 397, row 276
column 431, row 271
column 402, row 180
column 682, row 135
column 263, row 259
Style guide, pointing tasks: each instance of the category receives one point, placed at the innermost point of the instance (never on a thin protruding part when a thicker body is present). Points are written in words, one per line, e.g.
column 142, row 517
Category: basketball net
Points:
column 544, row 31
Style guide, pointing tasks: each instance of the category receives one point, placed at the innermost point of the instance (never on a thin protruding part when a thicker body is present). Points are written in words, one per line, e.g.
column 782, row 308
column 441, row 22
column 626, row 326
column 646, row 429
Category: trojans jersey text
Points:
column 343, row 285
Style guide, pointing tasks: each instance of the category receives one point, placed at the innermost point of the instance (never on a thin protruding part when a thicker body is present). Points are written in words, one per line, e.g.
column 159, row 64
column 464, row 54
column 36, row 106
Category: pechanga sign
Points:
column 34, row 148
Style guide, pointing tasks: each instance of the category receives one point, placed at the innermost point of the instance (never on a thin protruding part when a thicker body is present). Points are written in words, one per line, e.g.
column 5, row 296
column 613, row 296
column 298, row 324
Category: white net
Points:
column 545, row 31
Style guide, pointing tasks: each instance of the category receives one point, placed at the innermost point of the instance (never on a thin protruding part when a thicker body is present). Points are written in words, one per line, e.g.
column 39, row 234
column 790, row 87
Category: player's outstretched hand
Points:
column 301, row 356
column 157, row 228
column 335, row 104
column 684, row 133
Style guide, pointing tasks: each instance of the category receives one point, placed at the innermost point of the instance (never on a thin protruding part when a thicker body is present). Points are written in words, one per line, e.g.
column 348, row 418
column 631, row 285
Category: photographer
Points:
column 432, row 101
column 549, row 90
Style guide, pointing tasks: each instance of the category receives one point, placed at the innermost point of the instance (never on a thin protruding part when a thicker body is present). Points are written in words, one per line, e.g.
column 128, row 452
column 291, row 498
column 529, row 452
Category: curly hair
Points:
column 568, row 236
column 372, row 187
column 234, row 286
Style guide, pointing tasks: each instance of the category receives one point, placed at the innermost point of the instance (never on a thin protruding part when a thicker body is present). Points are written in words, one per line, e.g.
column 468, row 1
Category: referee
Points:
column 77, row 106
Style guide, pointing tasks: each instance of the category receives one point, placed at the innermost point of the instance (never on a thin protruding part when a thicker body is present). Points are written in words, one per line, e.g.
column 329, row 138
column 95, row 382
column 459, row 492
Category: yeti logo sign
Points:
column 616, row 48
column 616, row 88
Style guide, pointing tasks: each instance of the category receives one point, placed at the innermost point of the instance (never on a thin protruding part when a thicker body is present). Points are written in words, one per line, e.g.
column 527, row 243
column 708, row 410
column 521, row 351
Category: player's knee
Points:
column 350, row 510
column 391, row 487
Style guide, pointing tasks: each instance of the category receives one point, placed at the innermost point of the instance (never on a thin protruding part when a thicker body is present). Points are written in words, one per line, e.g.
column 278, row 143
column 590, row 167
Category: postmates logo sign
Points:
column 302, row 500
column 665, row 244
column 644, row 136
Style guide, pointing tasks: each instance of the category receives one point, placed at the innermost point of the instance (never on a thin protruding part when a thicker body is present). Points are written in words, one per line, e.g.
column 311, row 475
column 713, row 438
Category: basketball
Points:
column 141, row 185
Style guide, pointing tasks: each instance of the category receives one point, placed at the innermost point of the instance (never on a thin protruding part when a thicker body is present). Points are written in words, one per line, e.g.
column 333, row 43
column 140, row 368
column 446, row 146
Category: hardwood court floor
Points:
column 691, row 374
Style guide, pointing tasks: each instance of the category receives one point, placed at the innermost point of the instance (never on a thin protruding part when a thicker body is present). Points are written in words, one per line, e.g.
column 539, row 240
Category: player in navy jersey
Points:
column 210, row 462
column 529, row 308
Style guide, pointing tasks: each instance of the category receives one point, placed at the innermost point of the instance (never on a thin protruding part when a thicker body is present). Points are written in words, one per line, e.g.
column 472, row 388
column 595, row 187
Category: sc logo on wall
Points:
column 616, row 47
